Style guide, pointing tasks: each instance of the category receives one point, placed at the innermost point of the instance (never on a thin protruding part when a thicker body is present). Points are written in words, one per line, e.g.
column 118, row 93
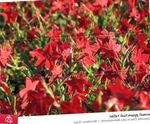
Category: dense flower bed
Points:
column 74, row 56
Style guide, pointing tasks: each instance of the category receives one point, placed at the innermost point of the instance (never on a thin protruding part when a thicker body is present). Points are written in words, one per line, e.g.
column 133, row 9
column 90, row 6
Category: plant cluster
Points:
column 74, row 56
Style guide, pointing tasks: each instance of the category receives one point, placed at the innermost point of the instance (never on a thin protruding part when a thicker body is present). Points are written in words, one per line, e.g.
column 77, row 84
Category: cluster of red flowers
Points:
column 74, row 56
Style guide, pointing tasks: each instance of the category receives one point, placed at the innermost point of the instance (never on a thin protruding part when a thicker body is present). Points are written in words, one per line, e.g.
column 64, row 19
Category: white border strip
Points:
column 130, row 117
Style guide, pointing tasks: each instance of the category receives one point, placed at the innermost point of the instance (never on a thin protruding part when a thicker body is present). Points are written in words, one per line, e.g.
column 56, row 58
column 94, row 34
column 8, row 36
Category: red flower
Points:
column 58, row 5
column 124, row 26
column 32, row 33
column 98, row 6
column 112, row 71
column 46, row 58
column 9, row 14
column 29, row 87
column 65, row 6
column 110, row 50
column 141, row 72
column 138, row 56
column 78, row 84
column 5, row 108
column 54, row 33
column 144, row 100
column 38, row 103
column 5, row 55
column 84, row 22
column 72, row 106
column 102, row 3
column 107, row 46
column 51, row 56
column 39, row 54
column 120, row 91
column 134, row 12
column 88, row 50
column 141, row 38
